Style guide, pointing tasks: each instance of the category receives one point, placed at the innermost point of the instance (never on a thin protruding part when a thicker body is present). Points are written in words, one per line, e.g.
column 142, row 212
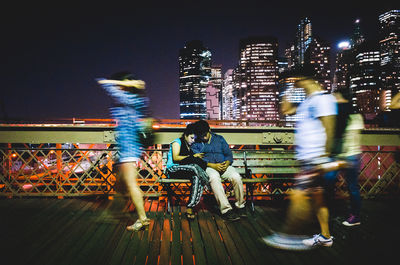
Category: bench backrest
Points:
column 265, row 162
column 261, row 162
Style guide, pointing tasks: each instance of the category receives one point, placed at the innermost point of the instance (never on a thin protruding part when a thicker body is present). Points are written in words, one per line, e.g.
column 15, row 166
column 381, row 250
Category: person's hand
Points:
column 125, row 83
column 217, row 166
column 199, row 155
column 225, row 165
column 221, row 167
column 133, row 83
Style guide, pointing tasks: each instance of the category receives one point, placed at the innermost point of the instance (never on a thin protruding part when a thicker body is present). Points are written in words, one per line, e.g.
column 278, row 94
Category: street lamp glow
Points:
column 344, row 45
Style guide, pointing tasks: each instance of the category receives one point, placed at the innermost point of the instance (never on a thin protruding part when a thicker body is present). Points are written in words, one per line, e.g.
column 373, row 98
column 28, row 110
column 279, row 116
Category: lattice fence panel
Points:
column 71, row 172
column 44, row 171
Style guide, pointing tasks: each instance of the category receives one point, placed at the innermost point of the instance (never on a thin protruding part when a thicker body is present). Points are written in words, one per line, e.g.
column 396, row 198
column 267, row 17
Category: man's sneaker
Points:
column 230, row 216
column 352, row 221
column 287, row 242
column 241, row 212
column 318, row 240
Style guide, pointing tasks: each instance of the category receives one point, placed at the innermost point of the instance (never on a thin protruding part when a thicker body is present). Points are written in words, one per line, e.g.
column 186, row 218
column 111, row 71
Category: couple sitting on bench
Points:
column 205, row 158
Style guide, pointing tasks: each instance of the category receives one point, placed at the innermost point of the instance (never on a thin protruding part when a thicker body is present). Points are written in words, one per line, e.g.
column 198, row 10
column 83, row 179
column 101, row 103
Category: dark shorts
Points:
column 309, row 178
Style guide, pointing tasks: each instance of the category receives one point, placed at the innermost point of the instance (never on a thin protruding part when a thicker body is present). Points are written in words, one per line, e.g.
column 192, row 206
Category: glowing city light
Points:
column 344, row 45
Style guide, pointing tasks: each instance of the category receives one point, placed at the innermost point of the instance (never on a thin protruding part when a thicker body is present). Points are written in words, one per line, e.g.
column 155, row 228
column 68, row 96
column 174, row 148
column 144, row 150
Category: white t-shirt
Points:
column 352, row 136
column 310, row 136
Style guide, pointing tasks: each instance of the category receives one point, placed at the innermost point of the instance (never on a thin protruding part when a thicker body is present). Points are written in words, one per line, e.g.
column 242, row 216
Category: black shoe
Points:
column 242, row 212
column 231, row 216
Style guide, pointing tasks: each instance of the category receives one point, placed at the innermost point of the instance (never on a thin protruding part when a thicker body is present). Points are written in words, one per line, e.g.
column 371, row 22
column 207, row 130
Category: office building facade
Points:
column 310, row 52
column 256, row 79
column 389, row 43
column 228, row 97
column 194, row 77
column 214, row 94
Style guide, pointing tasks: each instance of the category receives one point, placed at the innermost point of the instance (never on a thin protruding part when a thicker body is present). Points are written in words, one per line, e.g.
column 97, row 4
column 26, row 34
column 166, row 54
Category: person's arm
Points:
column 226, row 150
column 329, row 123
column 196, row 148
column 112, row 87
column 126, row 83
column 176, row 148
column 395, row 102
column 287, row 107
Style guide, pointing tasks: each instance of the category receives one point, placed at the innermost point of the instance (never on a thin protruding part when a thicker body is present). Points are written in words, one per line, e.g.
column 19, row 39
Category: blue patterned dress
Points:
column 128, row 110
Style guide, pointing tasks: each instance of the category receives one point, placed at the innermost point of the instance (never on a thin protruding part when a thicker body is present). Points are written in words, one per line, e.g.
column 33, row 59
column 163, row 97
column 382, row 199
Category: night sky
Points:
column 52, row 53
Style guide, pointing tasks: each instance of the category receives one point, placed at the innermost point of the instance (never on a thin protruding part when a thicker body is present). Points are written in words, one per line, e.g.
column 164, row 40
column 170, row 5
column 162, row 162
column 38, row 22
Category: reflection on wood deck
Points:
column 83, row 231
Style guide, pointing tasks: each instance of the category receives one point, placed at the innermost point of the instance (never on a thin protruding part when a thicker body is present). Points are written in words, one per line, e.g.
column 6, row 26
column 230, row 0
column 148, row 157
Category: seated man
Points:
column 219, row 158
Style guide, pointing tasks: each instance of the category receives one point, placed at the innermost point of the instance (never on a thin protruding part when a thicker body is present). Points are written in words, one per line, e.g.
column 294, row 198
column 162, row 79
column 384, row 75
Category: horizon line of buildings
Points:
column 366, row 71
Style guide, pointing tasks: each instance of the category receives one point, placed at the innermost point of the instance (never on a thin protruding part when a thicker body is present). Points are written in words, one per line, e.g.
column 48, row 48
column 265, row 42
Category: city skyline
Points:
column 52, row 59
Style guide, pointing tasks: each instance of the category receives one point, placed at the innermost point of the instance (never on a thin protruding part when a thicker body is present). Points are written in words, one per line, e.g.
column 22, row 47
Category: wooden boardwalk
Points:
column 39, row 231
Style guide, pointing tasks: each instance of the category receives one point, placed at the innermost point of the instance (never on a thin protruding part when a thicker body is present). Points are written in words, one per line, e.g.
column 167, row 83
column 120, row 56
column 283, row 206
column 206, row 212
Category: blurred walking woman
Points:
column 183, row 163
column 130, row 107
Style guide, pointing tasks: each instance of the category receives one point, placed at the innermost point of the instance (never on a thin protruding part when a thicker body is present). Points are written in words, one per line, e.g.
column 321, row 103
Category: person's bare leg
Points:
column 322, row 212
column 129, row 173
column 298, row 213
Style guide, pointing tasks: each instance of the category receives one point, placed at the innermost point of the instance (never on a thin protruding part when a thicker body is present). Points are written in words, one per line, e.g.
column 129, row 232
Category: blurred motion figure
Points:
column 130, row 108
column 347, row 147
column 314, row 137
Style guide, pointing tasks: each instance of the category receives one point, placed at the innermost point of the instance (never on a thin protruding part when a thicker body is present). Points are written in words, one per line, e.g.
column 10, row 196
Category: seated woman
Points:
column 182, row 163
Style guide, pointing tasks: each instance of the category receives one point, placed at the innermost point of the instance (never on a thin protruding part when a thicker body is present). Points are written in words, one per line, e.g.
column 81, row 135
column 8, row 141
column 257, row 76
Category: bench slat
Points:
column 278, row 163
column 262, row 163
column 244, row 180
column 263, row 180
column 269, row 155
column 275, row 170
column 165, row 180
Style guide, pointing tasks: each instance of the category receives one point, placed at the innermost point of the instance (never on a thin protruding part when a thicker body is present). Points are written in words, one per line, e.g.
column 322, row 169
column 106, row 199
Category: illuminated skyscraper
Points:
column 390, row 54
column 293, row 94
column 317, row 56
column 256, row 79
column 194, row 77
column 283, row 64
column 357, row 74
column 213, row 94
column 344, row 61
column 303, row 40
column 310, row 52
column 228, row 97
column 365, row 82
column 357, row 37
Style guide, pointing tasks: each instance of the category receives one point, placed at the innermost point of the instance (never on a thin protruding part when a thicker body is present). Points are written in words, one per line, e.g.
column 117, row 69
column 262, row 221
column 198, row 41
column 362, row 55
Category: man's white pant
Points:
column 232, row 176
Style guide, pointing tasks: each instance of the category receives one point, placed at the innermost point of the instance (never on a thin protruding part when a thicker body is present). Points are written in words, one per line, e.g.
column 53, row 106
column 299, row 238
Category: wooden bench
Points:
column 274, row 167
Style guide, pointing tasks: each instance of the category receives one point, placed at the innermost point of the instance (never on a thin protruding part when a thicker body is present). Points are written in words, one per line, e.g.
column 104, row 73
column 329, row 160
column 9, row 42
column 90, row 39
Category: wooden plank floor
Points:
column 38, row 231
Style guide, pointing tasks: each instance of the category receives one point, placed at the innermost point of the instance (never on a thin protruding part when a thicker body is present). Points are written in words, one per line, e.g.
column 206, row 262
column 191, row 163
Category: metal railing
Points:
column 78, row 160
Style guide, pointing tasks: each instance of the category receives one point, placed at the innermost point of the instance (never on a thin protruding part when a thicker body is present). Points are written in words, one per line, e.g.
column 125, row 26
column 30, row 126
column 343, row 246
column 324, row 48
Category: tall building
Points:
column 311, row 52
column 194, row 77
column 357, row 73
column 290, row 55
column 303, row 40
column 237, row 90
column 228, row 97
column 283, row 64
column 365, row 85
column 389, row 54
column 293, row 94
column 214, row 94
column 256, row 79
column 317, row 56
column 358, row 36
column 344, row 61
